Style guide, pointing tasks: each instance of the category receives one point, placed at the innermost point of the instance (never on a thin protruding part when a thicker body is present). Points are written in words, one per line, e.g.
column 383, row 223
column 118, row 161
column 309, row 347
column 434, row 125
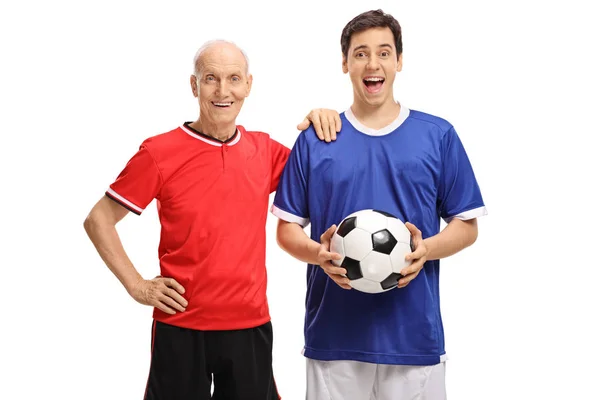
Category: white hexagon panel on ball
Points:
column 376, row 266
column 337, row 246
column 357, row 244
column 371, row 221
column 367, row 286
column 397, row 256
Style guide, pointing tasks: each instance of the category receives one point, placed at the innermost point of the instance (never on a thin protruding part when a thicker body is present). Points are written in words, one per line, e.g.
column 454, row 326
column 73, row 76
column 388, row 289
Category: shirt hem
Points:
column 468, row 214
column 374, row 358
column 289, row 217
column 213, row 326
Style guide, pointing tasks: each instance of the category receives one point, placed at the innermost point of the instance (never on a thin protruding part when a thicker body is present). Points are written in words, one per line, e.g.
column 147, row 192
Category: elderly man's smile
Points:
column 222, row 104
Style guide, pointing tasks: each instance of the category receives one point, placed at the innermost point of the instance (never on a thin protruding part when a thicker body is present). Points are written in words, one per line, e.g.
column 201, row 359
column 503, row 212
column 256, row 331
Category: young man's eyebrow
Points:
column 364, row 46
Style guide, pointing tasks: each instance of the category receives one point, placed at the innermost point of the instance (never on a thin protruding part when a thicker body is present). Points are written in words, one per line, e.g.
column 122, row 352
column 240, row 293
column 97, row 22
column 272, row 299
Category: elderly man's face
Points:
column 221, row 83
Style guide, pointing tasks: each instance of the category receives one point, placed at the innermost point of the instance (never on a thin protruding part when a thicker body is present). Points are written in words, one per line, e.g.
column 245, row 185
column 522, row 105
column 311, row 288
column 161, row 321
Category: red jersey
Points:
column 212, row 200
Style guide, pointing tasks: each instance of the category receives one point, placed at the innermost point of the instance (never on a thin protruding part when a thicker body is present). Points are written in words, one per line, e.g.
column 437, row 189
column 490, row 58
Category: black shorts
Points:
column 185, row 362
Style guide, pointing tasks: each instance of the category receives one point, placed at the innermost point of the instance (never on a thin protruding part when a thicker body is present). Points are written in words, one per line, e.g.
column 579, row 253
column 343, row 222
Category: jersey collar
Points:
column 210, row 140
column 404, row 112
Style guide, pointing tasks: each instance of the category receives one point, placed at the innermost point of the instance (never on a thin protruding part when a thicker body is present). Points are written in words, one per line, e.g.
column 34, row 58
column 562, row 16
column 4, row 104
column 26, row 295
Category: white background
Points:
column 83, row 83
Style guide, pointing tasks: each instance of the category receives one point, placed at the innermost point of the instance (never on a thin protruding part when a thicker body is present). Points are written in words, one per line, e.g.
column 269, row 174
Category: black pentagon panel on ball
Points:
column 383, row 241
column 346, row 226
column 352, row 267
column 387, row 214
column 391, row 281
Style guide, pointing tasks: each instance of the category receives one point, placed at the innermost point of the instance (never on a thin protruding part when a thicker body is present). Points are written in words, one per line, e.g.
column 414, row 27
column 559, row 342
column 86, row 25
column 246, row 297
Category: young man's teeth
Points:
column 374, row 79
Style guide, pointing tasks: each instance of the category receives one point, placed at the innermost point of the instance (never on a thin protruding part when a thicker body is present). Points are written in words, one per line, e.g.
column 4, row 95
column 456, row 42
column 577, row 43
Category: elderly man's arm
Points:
column 100, row 225
column 327, row 123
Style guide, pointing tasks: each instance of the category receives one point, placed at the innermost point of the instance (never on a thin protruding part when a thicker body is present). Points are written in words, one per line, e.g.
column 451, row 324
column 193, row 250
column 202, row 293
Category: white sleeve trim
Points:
column 467, row 215
column 286, row 216
column 124, row 200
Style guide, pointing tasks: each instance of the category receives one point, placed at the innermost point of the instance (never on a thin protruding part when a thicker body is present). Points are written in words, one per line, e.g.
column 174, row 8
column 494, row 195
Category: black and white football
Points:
column 373, row 245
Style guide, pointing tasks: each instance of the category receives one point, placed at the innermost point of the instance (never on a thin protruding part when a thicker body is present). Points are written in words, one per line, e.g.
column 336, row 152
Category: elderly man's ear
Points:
column 248, row 84
column 194, row 85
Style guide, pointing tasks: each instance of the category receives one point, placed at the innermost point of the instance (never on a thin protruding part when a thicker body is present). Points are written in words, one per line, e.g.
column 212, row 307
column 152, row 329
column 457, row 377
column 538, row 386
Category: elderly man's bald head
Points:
column 221, row 83
column 216, row 48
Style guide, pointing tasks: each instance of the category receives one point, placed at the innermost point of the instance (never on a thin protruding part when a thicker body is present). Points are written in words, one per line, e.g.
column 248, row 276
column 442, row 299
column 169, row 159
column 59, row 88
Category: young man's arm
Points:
column 460, row 203
column 456, row 236
column 100, row 225
column 293, row 240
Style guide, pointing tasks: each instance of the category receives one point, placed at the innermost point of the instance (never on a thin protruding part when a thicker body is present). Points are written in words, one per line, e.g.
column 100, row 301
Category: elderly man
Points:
column 212, row 180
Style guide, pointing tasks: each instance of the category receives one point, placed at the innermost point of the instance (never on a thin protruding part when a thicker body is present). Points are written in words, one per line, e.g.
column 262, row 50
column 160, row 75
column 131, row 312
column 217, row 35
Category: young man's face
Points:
column 372, row 63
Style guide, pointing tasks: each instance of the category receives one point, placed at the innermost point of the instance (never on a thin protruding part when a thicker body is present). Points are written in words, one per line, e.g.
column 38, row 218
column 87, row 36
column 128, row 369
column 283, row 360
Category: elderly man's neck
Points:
column 221, row 132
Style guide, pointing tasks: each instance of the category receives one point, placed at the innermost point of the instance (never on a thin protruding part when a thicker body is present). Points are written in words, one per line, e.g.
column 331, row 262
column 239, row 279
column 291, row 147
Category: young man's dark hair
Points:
column 371, row 19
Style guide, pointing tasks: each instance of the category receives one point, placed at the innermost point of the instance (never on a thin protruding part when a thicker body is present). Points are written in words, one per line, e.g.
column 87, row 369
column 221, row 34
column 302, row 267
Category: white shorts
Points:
column 353, row 380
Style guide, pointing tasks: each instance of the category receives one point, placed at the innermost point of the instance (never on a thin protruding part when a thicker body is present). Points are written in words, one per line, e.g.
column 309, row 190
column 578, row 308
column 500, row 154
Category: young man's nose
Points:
column 373, row 64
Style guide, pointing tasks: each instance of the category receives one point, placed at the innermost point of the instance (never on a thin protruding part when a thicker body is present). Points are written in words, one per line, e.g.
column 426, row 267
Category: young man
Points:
column 211, row 179
column 387, row 157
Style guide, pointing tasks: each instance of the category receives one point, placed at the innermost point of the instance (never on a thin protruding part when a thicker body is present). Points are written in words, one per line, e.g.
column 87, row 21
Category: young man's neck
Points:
column 219, row 132
column 376, row 117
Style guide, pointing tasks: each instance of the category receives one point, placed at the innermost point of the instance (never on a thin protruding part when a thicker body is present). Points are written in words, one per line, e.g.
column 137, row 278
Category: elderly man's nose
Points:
column 222, row 89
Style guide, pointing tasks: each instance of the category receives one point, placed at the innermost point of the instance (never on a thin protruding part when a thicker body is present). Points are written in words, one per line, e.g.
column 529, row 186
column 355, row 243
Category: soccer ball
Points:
column 373, row 245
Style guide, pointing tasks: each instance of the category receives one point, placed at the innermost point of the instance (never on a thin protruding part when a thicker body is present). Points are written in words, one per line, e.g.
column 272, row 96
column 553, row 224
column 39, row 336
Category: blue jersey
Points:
column 416, row 169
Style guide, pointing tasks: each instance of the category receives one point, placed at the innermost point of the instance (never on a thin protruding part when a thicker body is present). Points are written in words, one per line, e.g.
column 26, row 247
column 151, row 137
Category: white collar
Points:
column 404, row 112
column 211, row 141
